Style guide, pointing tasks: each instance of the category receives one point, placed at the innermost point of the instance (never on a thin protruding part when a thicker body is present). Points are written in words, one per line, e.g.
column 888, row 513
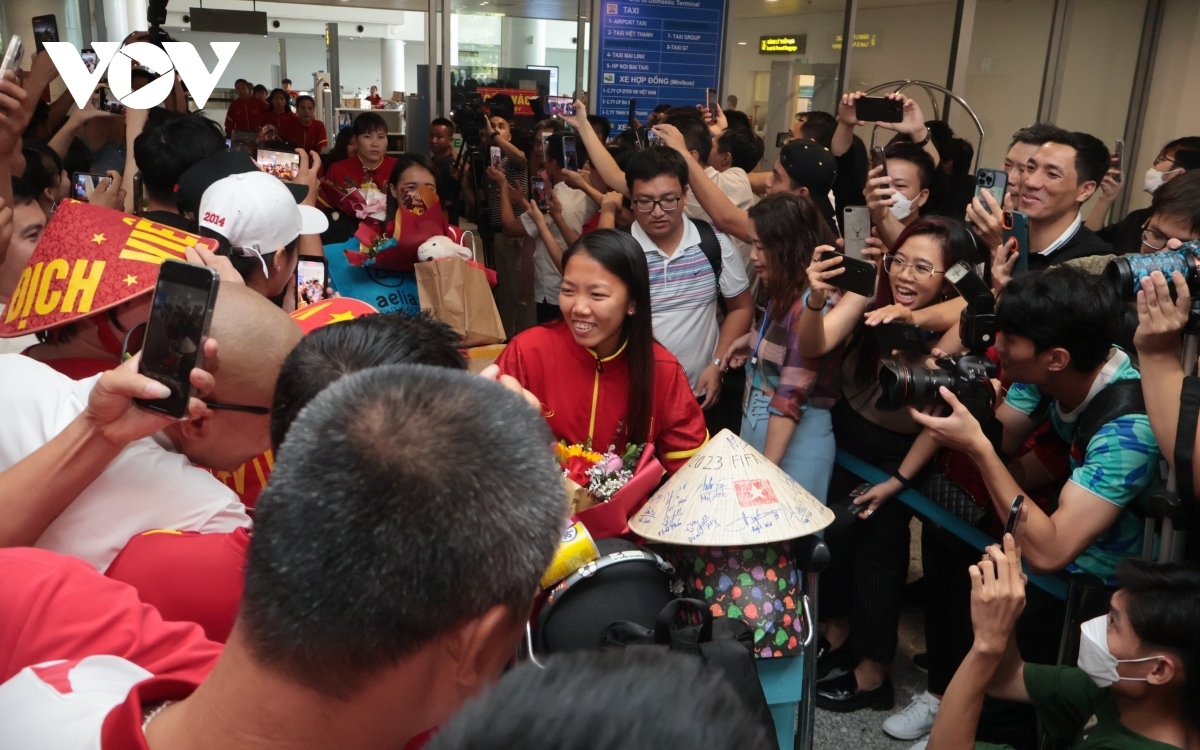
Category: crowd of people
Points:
column 341, row 542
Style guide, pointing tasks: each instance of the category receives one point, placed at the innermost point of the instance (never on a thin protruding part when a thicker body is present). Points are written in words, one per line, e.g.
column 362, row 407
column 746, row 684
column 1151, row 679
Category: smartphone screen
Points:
column 82, row 185
column 1014, row 516
column 652, row 138
column 179, row 316
column 570, row 156
column 284, row 165
column 994, row 181
column 310, row 280
column 856, row 228
column 45, row 29
column 495, row 156
column 539, row 193
column 90, row 59
column 561, row 106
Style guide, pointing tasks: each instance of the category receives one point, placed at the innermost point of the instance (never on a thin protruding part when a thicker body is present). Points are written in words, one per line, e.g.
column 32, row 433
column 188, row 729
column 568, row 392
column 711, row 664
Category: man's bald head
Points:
column 253, row 338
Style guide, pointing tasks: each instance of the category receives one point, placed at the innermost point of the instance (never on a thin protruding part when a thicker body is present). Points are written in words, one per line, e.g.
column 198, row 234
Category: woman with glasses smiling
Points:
column 869, row 544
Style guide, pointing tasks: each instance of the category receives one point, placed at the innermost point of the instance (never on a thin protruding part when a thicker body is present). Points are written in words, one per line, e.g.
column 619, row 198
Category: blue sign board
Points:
column 658, row 52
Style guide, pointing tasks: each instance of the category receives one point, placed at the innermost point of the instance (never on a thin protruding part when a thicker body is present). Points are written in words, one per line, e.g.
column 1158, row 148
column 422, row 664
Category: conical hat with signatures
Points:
column 729, row 495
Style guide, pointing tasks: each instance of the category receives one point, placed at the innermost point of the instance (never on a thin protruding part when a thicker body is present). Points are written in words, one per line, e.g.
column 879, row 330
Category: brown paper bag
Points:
column 458, row 294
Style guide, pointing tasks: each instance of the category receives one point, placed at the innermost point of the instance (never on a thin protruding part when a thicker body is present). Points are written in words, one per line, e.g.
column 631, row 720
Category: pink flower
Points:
column 613, row 464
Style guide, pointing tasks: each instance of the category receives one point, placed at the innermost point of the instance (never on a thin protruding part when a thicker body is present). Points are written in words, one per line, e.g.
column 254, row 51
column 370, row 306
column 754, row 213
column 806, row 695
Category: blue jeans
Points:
column 809, row 456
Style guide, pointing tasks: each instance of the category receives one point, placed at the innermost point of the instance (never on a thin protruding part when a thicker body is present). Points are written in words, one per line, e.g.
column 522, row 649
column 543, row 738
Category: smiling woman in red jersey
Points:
column 599, row 373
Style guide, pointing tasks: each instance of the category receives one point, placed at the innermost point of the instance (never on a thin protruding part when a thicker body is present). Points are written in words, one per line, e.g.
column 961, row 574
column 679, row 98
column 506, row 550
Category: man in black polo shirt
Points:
column 1059, row 179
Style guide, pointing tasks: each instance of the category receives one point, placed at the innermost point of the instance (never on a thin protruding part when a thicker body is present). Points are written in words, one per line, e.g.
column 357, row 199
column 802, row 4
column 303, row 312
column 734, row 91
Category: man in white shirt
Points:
column 568, row 210
column 153, row 483
column 684, row 282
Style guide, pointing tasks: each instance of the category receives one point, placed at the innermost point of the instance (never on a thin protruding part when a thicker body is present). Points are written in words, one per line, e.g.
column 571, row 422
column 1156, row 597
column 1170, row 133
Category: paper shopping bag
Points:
column 458, row 294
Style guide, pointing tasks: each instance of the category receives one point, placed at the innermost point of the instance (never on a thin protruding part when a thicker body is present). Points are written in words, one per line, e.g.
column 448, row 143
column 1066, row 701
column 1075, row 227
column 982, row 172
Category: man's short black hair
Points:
column 1162, row 604
column 636, row 699
column 1185, row 152
column 652, row 162
column 743, row 145
column 339, row 349
column 43, row 167
column 819, row 126
column 604, row 124
column 1037, row 134
column 915, row 155
column 442, row 122
column 1063, row 307
column 23, row 191
column 169, row 145
column 406, row 501
column 695, row 133
column 737, row 119
column 1179, row 196
column 1092, row 159
column 369, row 122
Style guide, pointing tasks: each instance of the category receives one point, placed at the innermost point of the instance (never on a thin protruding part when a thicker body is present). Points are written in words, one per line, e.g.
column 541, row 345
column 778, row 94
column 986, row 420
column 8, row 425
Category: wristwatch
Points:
column 716, row 361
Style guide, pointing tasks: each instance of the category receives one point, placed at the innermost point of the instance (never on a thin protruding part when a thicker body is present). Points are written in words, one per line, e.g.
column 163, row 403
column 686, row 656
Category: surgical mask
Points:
column 1155, row 179
column 1096, row 660
column 902, row 207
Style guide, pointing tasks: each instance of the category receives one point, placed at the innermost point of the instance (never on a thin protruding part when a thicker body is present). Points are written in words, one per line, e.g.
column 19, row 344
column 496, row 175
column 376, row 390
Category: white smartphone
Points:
column 856, row 228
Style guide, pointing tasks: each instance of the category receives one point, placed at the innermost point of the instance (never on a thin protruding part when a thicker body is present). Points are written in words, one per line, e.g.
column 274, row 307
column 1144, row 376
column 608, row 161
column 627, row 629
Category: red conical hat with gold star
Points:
column 335, row 310
column 89, row 259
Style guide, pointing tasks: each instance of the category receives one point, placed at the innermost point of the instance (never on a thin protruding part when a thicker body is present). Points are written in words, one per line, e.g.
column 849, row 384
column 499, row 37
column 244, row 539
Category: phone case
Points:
column 878, row 109
column 1016, row 224
column 856, row 228
column 994, row 181
column 859, row 277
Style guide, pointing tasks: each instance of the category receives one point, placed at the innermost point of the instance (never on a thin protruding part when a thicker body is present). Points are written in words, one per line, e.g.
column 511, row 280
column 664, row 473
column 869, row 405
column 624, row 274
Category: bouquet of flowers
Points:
column 592, row 477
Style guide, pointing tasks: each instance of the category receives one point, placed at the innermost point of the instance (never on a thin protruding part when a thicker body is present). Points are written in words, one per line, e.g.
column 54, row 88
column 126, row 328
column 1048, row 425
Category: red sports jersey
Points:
column 279, row 120
column 80, row 655
column 311, row 137
column 243, row 114
column 584, row 397
column 187, row 576
column 346, row 175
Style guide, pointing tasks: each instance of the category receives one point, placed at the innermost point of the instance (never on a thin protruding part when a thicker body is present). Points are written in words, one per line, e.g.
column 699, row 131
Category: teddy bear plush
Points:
column 443, row 247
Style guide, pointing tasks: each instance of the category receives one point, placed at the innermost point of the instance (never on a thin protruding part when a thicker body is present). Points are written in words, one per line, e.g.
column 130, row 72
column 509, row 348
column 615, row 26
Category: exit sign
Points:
column 782, row 45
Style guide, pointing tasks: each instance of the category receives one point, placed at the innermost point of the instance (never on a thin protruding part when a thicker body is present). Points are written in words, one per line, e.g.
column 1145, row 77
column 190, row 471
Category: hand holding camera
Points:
column 1161, row 320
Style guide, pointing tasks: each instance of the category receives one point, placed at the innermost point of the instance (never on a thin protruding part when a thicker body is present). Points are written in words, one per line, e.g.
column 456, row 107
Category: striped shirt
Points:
column 683, row 296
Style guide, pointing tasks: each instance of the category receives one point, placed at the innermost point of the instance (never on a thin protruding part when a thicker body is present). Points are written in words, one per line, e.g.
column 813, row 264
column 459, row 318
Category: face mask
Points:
column 1155, row 179
column 1096, row 660
column 902, row 207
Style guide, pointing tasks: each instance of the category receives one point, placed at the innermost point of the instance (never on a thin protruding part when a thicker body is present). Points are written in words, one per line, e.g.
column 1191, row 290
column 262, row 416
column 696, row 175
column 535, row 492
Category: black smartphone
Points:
column 570, row 155
column 1119, row 158
column 82, row 185
column 878, row 159
column 859, row 276
column 539, row 193
column 1016, row 224
column 139, row 199
column 179, row 318
column 878, row 109
column 1014, row 516
column 45, row 29
column 994, row 181
column 901, row 337
column 312, row 279
column 781, row 139
column 632, row 113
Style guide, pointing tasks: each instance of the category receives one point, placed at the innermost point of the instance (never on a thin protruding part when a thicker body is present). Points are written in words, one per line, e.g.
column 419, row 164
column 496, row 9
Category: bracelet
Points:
column 928, row 137
column 905, row 484
column 810, row 307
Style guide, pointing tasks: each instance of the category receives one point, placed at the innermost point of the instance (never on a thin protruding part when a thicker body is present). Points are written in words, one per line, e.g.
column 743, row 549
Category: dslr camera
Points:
column 968, row 376
column 156, row 15
column 1126, row 273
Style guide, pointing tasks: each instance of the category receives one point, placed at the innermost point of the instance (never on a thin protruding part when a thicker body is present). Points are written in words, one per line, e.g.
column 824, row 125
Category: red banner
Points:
column 520, row 98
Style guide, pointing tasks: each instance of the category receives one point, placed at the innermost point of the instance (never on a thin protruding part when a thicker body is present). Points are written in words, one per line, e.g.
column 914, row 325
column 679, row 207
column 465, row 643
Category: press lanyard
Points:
column 762, row 329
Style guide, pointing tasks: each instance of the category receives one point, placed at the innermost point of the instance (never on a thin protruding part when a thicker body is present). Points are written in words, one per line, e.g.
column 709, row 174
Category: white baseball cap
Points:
column 257, row 214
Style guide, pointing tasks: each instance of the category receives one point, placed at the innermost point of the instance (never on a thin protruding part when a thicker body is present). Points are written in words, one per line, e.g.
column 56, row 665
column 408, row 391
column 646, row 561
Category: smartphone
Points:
column 282, row 164
column 994, row 181
column 107, row 102
column 878, row 109
column 633, row 113
column 903, row 337
column 652, row 138
column 539, row 193
column 879, row 160
column 228, row 144
column 12, row 55
column 856, row 228
column 545, row 140
column 781, row 139
column 710, row 99
column 562, row 106
column 494, row 153
column 139, row 200
column 45, row 29
column 311, row 280
column 1119, row 157
column 82, row 185
column 90, row 58
column 179, row 317
column 570, row 155
column 1014, row 515
column 1016, row 224
column 859, row 276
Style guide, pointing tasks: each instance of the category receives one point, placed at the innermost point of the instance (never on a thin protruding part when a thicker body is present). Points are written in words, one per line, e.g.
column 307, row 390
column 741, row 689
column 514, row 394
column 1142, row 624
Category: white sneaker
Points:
column 915, row 721
column 921, row 745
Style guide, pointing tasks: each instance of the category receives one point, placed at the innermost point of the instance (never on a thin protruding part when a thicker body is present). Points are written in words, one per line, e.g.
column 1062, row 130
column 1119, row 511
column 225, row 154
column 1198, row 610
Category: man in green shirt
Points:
column 1137, row 686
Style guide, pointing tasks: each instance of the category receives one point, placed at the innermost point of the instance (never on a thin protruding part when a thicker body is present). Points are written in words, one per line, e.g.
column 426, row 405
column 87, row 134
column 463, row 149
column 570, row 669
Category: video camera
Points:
column 968, row 376
column 156, row 16
column 1126, row 273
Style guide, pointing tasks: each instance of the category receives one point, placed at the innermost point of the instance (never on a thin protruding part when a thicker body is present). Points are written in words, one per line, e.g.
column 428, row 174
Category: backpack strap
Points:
column 1185, row 436
column 711, row 247
column 1115, row 400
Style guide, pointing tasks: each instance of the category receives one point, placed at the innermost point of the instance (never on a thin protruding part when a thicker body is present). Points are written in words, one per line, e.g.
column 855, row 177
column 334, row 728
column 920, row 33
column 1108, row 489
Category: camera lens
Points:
column 904, row 386
column 1120, row 275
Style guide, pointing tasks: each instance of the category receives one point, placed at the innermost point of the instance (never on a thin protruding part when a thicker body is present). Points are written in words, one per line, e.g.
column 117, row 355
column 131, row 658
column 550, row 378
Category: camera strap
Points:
column 1185, row 436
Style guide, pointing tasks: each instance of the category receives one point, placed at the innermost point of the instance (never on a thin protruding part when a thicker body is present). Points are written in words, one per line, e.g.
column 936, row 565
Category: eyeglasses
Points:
column 646, row 205
column 920, row 271
column 1154, row 239
column 218, row 406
